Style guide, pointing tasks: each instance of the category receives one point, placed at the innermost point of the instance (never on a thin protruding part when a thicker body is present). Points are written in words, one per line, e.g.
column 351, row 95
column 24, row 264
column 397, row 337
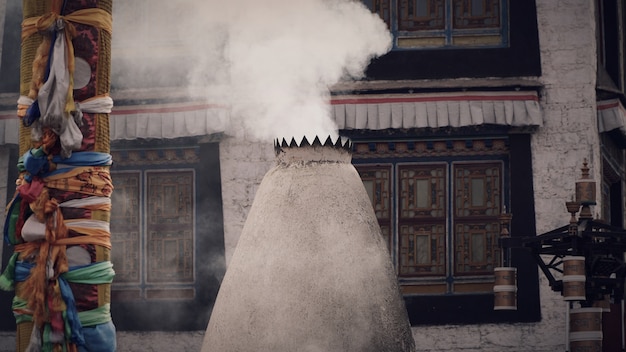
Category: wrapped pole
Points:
column 58, row 220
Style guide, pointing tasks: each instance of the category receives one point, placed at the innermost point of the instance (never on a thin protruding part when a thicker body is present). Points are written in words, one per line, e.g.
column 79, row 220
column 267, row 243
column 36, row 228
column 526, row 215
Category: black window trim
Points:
column 478, row 308
column 520, row 58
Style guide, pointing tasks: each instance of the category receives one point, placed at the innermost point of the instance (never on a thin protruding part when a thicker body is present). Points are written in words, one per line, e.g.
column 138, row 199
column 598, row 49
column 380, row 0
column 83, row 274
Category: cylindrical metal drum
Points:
column 585, row 330
column 505, row 288
column 574, row 265
column 574, row 287
column 574, row 278
column 505, row 297
column 505, row 275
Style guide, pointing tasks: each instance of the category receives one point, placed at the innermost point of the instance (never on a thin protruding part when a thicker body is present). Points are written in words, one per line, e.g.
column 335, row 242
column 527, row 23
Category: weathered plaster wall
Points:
column 242, row 166
column 569, row 134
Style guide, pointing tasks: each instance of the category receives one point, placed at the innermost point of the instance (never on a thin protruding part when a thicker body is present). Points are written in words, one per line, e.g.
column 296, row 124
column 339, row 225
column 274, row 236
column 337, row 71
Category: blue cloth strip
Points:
column 71, row 313
column 36, row 162
column 22, row 270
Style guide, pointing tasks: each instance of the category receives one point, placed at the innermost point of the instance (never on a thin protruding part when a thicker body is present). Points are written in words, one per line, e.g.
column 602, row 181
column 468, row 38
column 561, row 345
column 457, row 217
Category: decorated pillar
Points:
column 58, row 220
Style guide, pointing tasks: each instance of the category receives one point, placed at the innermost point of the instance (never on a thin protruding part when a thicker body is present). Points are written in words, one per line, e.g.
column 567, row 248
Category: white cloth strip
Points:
column 100, row 105
column 24, row 100
column 87, row 224
column 81, row 203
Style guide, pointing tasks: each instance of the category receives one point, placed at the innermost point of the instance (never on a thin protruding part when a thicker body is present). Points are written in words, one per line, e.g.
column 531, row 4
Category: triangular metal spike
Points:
column 316, row 141
column 346, row 143
column 329, row 142
column 305, row 142
column 293, row 142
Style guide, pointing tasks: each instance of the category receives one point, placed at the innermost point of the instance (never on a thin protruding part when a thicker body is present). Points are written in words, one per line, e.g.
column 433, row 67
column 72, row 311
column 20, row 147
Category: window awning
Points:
column 167, row 120
column 145, row 121
column 373, row 112
column 376, row 112
column 611, row 116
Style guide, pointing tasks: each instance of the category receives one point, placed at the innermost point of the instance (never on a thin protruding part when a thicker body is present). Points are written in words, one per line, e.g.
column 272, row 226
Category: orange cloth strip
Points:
column 92, row 180
column 92, row 17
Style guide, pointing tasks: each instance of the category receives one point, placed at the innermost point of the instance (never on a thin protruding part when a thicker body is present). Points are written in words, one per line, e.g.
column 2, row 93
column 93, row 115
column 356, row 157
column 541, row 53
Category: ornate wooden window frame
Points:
column 165, row 304
column 441, row 307
column 443, row 23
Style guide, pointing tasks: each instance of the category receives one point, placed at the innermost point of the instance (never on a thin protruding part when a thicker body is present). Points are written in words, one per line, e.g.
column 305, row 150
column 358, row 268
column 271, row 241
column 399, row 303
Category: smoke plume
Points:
column 271, row 62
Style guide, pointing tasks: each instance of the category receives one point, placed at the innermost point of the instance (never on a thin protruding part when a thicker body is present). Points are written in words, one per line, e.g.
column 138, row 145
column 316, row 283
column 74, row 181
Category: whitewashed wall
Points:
column 242, row 167
column 569, row 134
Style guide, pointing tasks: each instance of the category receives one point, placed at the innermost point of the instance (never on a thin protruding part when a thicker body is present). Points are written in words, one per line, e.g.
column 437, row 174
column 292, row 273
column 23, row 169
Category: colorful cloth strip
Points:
column 92, row 16
column 55, row 314
column 91, row 203
column 94, row 274
column 37, row 163
column 91, row 180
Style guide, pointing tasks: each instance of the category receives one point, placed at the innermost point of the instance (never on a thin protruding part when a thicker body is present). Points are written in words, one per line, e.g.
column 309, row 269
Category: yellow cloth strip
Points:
column 91, row 236
column 97, row 238
column 92, row 180
column 89, row 224
column 92, row 17
column 103, row 207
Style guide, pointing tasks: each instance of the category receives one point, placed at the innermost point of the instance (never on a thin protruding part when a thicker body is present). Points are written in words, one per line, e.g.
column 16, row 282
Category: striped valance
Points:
column 611, row 116
column 145, row 121
column 167, row 120
column 373, row 112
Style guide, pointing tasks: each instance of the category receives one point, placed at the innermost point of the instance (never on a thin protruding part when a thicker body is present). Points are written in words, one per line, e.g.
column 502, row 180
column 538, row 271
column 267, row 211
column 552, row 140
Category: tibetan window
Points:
column 157, row 262
column 446, row 211
column 419, row 24
column 438, row 203
column 167, row 235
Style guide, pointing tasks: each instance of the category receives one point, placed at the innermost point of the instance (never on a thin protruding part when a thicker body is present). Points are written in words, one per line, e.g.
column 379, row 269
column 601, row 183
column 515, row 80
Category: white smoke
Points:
column 273, row 61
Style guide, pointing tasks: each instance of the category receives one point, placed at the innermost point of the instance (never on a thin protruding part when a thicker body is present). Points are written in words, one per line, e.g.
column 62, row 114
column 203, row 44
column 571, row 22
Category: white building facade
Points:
column 566, row 113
